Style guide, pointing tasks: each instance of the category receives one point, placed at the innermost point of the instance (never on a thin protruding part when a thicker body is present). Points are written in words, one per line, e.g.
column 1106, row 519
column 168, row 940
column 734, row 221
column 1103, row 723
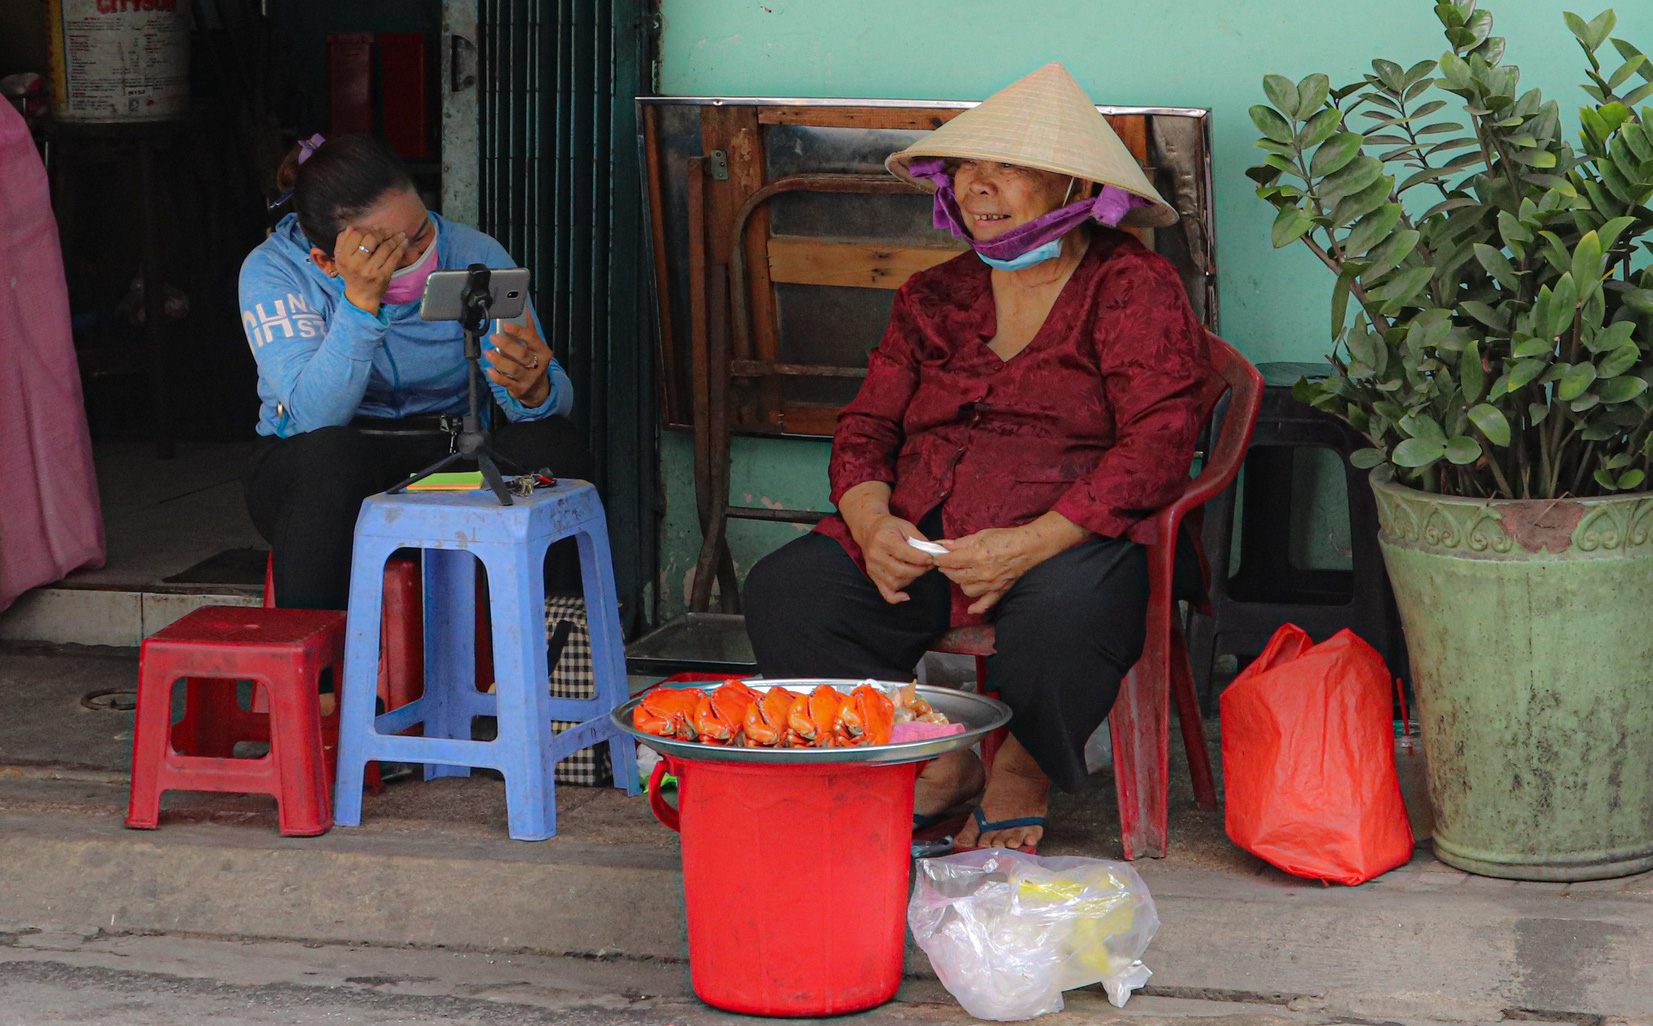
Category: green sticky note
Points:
column 458, row 481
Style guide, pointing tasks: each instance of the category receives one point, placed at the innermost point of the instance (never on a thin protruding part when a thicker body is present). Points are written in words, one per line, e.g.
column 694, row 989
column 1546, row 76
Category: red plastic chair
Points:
column 1140, row 721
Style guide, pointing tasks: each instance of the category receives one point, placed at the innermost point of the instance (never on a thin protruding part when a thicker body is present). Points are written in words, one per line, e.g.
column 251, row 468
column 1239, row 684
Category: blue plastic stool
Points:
column 511, row 542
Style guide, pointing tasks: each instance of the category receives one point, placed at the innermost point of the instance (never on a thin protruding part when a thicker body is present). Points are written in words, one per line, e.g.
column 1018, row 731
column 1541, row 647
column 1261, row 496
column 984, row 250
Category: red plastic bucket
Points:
column 794, row 881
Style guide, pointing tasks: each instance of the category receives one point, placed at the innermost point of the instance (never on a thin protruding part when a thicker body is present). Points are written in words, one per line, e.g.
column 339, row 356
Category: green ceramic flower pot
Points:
column 1530, row 626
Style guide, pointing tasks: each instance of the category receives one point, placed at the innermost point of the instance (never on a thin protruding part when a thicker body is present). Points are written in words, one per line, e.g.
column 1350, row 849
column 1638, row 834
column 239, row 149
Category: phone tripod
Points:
column 471, row 445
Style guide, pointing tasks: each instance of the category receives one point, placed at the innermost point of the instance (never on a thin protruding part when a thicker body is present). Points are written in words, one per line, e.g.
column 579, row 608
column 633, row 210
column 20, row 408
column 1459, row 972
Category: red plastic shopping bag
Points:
column 1309, row 760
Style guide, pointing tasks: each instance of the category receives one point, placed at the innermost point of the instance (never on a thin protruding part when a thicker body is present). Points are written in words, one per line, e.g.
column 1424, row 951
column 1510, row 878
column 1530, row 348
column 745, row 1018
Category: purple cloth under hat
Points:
column 1109, row 206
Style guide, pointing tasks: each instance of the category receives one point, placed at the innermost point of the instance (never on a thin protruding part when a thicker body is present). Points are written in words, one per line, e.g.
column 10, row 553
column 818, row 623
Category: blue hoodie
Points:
column 322, row 360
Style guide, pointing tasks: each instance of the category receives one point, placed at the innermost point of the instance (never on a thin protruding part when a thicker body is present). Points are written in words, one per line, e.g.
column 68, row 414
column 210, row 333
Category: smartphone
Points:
column 507, row 285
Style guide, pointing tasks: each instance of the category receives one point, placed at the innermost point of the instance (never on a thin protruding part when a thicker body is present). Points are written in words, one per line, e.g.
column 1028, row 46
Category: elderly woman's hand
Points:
column 984, row 565
column 892, row 564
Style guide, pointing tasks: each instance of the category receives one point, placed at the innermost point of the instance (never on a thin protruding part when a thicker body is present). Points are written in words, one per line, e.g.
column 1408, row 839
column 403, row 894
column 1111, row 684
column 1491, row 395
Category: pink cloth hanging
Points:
column 50, row 523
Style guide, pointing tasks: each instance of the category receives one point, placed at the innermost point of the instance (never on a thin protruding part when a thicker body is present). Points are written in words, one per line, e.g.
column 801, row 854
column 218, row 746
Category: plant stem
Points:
column 1492, row 464
column 1380, row 322
column 1583, row 465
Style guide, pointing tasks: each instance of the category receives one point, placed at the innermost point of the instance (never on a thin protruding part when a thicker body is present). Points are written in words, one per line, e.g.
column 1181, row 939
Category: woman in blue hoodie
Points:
column 358, row 392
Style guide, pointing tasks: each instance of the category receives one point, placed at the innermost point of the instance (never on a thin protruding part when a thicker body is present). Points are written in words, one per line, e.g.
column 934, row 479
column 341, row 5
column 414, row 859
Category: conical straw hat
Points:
column 1044, row 121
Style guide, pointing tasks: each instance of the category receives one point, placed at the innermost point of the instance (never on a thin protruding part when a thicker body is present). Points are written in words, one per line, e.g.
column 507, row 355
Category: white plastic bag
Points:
column 1007, row 933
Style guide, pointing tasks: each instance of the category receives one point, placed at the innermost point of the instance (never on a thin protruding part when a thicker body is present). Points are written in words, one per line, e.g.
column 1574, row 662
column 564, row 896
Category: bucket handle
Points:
column 657, row 801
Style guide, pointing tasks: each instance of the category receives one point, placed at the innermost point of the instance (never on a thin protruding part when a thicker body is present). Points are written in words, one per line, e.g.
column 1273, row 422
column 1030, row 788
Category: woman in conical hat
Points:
column 1033, row 402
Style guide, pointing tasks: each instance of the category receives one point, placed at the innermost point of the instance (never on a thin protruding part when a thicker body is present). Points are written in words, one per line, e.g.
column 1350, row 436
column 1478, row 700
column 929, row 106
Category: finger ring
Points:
column 536, row 362
column 364, row 249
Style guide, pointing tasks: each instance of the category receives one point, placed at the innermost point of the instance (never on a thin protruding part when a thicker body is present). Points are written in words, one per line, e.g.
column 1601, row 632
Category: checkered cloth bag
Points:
column 571, row 677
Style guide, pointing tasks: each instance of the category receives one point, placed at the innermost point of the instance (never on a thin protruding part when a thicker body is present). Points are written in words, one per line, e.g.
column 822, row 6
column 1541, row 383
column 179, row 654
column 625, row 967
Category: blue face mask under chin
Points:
column 1037, row 255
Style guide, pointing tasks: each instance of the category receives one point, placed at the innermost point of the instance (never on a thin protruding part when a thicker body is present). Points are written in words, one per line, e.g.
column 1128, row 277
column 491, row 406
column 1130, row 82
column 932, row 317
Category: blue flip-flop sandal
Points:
column 984, row 825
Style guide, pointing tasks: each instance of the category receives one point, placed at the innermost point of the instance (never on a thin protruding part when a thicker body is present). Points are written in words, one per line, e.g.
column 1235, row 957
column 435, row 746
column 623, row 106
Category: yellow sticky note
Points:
column 459, row 481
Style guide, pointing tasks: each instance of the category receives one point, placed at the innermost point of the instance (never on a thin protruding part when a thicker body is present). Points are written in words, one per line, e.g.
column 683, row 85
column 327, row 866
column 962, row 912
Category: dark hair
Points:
column 344, row 176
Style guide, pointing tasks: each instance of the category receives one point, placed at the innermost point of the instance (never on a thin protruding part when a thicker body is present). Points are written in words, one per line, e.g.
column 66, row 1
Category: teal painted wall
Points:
column 1197, row 53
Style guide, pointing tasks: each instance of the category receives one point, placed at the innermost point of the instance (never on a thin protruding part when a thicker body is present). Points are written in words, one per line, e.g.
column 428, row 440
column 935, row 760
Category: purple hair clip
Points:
column 306, row 149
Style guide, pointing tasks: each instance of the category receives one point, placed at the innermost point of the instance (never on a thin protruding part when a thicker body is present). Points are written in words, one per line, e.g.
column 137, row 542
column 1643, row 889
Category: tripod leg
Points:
column 515, row 469
column 511, row 467
column 435, row 468
column 490, row 474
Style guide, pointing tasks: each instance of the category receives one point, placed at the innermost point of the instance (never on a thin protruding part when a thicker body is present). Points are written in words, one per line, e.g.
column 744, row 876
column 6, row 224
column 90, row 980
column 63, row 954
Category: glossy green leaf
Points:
column 1639, row 300
column 1352, row 208
column 1415, row 452
column 1355, row 176
column 1311, row 94
column 1612, row 338
column 1631, row 479
column 1498, row 265
column 1492, row 423
column 1524, row 373
column 1620, row 389
column 1366, row 459
column 1563, row 305
column 1340, row 302
column 1620, row 360
column 1609, row 233
column 1282, row 92
column 1575, row 380
column 1533, row 346
column 1290, row 225
column 1487, row 315
column 1423, row 426
column 1533, row 158
column 1388, row 254
column 1335, row 152
column 1270, row 123
column 1587, row 263
column 1405, row 286
column 1455, row 69
column 1265, row 177
column 1559, row 256
column 1320, row 127
column 1462, row 449
column 1369, row 230
column 1472, row 377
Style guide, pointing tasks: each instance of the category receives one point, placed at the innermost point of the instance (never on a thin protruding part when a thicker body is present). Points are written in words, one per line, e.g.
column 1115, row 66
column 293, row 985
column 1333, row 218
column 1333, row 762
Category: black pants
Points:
column 1066, row 633
column 304, row 493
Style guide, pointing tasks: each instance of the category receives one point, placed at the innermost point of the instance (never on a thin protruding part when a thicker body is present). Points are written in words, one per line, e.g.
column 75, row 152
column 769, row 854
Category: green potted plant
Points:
column 1492, row 326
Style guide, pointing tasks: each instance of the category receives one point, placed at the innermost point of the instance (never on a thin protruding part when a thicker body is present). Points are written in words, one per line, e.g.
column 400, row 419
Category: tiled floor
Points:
column 160, row 517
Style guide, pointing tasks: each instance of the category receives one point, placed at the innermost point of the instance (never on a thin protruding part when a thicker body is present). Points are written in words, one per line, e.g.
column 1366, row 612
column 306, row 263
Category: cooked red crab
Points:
column 668, row 712
column 814, row 717
column 766, row 719
column 721, row 718
column 866, row 718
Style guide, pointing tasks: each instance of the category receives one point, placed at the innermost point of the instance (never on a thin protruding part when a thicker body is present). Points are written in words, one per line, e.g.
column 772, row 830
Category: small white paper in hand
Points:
column 931, row 547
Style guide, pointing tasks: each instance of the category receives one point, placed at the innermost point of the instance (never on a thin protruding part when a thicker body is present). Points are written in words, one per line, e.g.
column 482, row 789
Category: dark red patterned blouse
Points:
column 1096, row 419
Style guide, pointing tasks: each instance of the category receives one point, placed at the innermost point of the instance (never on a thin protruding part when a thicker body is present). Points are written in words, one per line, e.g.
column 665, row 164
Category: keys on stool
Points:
column 455, row 529
column 283, row 652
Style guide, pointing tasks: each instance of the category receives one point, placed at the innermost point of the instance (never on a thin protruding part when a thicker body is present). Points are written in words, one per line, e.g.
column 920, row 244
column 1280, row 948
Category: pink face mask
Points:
column 408, row 284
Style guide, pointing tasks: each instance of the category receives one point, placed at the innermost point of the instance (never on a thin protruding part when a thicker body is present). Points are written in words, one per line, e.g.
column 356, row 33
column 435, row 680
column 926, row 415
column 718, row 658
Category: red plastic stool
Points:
column 283, row 651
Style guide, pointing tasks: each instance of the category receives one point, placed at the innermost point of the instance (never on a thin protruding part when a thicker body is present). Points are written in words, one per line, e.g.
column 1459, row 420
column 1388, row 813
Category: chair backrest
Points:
column 1237, row 379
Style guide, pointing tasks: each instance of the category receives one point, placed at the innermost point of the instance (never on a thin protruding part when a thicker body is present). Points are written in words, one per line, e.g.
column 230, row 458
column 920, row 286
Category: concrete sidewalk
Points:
column 432, row 868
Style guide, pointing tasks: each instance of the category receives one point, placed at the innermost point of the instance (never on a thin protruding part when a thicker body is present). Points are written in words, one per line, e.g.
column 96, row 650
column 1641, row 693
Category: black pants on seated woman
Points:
column 304, row 493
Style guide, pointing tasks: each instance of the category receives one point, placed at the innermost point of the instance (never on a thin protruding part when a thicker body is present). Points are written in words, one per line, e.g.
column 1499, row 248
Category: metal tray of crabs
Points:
column 809, row 720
